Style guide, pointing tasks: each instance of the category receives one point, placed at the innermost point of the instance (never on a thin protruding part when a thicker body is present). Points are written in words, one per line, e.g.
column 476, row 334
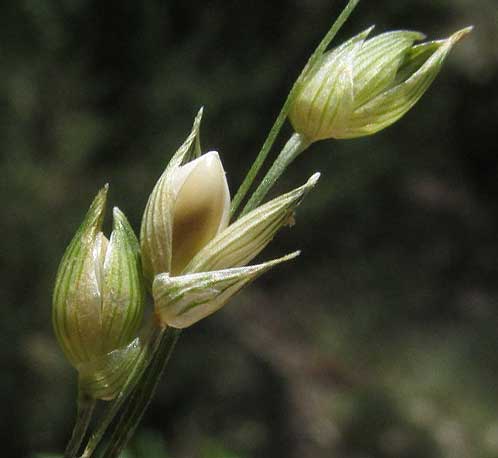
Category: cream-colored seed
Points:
column 201, row 209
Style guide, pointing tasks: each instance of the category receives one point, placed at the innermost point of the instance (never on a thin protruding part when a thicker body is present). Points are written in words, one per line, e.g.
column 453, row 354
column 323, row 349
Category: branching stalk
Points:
column 282, row 116
column 294, row 146
column 140, row 387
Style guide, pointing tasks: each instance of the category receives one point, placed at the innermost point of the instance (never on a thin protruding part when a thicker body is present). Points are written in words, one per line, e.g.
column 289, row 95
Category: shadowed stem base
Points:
column 86, row 406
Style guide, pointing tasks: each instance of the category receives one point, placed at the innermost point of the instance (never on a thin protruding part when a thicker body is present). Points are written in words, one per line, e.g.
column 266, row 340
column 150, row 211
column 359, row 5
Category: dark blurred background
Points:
column 379, row 341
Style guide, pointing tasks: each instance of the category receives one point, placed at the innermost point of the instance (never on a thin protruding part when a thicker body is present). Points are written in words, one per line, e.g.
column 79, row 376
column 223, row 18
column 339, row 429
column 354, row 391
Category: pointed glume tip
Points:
column 457, row 36
column 313, row 179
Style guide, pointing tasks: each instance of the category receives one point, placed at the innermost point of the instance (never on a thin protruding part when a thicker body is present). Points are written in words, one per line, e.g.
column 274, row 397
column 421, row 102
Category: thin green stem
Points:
column 277, row 125
column 142, row 395
column 86, row 406
column 296, row 144
column 143, row 360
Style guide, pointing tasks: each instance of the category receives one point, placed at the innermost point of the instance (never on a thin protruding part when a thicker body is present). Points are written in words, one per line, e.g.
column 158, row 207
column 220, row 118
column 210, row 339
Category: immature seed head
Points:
column 98, row 298
column 365, row 85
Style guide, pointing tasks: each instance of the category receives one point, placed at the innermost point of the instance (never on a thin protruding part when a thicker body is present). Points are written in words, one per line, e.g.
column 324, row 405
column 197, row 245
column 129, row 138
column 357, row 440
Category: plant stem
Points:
column 86, row 406
column 277, row 125
column 296, row 144
column 142, row 395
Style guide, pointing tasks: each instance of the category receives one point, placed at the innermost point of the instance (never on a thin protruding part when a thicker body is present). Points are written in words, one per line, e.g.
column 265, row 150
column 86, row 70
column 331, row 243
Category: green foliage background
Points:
column 379, row 341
